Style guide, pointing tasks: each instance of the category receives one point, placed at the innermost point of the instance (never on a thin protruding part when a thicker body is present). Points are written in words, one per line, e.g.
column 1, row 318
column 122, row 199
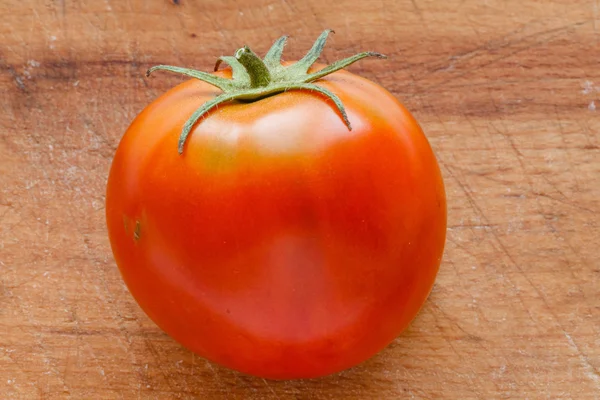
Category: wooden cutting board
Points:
column 507, row 92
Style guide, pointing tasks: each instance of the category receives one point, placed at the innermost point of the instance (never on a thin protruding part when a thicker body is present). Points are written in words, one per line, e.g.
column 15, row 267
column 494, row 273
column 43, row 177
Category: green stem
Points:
column 257, row 70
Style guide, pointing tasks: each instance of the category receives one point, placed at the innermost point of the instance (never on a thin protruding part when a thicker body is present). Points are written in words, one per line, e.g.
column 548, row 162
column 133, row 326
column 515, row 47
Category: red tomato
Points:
column 280, row 243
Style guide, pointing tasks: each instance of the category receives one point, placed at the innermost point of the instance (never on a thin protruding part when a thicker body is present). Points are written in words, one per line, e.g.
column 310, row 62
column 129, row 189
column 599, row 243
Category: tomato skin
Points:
column 280, row 244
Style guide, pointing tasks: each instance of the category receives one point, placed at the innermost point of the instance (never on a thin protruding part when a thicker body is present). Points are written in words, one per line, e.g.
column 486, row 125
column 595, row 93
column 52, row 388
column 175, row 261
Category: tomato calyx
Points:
column 254, row 79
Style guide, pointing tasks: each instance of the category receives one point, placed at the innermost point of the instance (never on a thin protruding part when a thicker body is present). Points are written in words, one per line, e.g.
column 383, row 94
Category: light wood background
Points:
column 507, row 92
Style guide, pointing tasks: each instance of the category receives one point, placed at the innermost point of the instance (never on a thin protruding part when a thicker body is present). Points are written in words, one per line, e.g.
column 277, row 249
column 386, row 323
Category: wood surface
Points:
column 507, row 91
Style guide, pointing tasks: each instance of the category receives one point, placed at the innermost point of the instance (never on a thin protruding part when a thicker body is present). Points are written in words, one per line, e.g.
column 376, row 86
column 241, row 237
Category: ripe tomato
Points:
column 280, row 243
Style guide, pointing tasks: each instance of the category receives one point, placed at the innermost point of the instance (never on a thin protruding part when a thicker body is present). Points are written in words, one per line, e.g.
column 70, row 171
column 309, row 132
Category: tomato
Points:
column 279, row 243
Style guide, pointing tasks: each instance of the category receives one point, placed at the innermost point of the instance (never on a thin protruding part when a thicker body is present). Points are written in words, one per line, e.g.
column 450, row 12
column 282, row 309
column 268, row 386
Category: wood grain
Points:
column 507, row 92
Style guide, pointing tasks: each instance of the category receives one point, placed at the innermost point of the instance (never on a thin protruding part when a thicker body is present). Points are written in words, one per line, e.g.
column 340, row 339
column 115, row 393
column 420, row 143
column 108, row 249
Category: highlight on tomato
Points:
column 282, row 219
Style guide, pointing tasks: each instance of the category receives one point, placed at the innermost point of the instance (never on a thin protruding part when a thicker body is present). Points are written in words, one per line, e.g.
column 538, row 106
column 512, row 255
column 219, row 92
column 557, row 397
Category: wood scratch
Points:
column 472, row 387
column 499, row 243
column 23, row 370
column 565, row 202
column 18, row 80
column 461, row 280
column 590, row 370
column 418, row 11
column 157, row 363
column 270, row 388
column 492, row 46
column 566, row 150
column 472, row 337
column 63, row 8
column 595, row 8
column 212, row 369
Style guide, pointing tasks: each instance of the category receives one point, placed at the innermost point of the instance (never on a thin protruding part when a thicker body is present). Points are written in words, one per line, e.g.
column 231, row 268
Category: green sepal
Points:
column 254, row 78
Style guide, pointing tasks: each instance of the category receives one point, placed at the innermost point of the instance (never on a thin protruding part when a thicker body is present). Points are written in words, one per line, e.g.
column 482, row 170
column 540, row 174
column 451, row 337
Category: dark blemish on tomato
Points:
column 193, row 35
column 136, row 232
column 228, row 311
column 176, row 2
